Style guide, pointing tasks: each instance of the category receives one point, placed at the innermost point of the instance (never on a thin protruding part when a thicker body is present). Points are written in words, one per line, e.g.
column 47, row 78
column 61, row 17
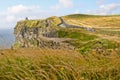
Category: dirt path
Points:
column 55, row 39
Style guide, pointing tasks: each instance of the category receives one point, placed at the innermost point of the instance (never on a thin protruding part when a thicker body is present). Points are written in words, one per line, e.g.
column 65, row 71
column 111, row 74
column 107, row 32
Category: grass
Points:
column 30, row 24
column 99, row 46
column 48, row 64
column 86, row 42
column 110, row 32
column 96, row 21
column 54, row 21
column 78, row 34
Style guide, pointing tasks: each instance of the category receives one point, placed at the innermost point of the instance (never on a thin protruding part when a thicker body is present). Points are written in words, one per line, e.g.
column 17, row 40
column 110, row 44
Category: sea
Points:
column 6, row 38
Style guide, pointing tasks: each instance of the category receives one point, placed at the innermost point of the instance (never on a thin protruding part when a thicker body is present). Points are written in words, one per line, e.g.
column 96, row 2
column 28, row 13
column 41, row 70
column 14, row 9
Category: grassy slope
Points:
column 54, row 21
column 110, row 31
column 47, row 64
column 105, row 37
column 95, row 21
column 85, row 41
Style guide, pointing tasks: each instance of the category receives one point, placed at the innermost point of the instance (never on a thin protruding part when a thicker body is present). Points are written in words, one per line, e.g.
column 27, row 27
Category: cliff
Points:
column 39, row 33
column 68, row 32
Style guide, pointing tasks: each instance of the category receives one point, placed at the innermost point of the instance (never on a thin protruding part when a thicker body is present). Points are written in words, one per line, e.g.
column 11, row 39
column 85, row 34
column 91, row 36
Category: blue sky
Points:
column 12, row 11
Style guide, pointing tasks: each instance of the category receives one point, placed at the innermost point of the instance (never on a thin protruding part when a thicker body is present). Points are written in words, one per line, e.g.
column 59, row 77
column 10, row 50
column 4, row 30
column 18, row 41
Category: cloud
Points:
column 108, row 9
column 105, row 9
column 62, row 4
column 12, row 14
column 21, row 8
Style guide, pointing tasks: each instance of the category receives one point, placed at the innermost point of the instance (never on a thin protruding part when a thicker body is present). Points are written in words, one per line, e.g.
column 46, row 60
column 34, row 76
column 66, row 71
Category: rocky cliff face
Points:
column 30, row 33
column 39, row 33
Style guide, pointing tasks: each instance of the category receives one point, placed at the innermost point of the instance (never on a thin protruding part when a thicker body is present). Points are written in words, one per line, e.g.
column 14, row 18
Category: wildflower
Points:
column 62, row 69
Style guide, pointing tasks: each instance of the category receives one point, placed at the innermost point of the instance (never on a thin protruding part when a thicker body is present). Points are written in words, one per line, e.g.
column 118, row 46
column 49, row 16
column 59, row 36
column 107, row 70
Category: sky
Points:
column 12, row 11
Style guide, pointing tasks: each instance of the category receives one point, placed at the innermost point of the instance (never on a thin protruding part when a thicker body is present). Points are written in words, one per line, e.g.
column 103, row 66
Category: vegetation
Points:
column 54, row 21
column 47, row 64
column 17, row 45
column 51, row 22
column 86, row 42
column 75, row 34
column 96, row 21
column 96, row 57
column 109, row 31
column 31, row 23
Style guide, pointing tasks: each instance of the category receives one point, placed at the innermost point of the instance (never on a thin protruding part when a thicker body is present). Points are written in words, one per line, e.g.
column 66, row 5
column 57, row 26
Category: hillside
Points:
column 73, row 47
column 62, row 33
column 95, row 21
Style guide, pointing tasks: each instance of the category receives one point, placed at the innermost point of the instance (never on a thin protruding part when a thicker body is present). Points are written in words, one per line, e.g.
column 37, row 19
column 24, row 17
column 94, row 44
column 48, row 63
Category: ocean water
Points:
column 6, row 38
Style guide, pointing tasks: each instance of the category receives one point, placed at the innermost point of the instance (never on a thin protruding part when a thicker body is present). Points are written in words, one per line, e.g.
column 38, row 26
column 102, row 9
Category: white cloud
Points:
column 62, row 4
column 10, row 16
column 108, row 9
column 105, row 9
column 20, row 8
